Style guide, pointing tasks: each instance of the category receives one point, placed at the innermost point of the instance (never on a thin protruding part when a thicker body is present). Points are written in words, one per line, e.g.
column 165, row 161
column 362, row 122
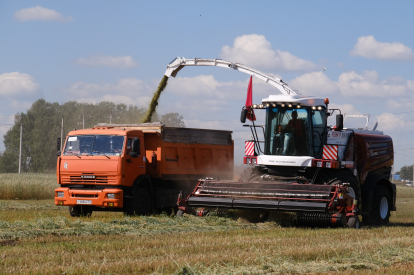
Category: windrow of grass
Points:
column 162, row 224
column 27, row 186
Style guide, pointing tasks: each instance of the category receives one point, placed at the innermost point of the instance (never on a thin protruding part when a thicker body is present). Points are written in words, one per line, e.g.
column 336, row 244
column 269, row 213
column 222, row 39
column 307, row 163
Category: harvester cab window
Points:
column 319, row 130
column 287, row 131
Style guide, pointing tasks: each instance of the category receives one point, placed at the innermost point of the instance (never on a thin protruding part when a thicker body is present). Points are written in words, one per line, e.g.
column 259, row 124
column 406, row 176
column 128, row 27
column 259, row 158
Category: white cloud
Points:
column 351, row 84
column 126, row 90
column 368, row 85
column 17, row 84
column 41, row 14
column 369, row 47
column 254, row 50
column 316, row 84
column 124, row 62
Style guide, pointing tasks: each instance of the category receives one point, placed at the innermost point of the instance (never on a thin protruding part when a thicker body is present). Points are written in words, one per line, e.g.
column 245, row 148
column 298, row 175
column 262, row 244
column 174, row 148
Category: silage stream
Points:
column 154, row 101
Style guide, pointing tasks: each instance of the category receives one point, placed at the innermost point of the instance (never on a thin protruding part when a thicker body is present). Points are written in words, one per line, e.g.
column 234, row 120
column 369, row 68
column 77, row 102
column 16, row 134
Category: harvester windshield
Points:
column 294, row 131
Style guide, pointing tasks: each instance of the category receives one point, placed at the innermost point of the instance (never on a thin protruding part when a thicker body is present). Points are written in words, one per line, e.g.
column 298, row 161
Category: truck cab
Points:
column 96, row 165
column 136, row 168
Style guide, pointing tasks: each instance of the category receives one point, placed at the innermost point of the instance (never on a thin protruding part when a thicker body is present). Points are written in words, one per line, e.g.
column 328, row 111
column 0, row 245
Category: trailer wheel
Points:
column 353, row 222
column 252, row 173
column 141, row 203
column 80, row 211
column 380, row 213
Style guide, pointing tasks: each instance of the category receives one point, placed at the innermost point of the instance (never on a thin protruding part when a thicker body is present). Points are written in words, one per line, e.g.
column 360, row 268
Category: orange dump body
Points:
column 172, row 158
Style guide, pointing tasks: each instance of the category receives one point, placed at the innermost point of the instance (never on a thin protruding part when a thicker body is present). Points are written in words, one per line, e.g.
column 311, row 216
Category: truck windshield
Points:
column 94, row 145
column 288, row 131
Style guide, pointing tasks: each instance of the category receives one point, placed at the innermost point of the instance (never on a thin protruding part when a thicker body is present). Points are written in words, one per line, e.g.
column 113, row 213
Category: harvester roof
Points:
column 296, row 99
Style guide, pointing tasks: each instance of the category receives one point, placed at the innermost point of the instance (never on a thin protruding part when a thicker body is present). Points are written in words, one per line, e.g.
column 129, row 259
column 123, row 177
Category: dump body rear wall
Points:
column 187, row 154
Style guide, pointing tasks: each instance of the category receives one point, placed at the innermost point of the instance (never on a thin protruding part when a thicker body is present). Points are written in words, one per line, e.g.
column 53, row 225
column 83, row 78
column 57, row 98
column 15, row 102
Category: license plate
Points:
column 83, row 202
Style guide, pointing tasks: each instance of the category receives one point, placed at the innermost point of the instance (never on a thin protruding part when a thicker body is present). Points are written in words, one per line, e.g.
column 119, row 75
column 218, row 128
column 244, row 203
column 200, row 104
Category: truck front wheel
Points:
column 80, row 211
column 380, row 213
column 141, row 203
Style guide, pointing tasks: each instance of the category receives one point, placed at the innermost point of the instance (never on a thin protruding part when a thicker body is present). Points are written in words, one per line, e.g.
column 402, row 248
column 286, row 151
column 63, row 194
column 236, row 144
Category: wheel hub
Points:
column 383, row 207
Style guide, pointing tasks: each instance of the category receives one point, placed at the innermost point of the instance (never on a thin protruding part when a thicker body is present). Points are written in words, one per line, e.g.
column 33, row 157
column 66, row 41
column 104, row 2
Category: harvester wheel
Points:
column 80, row 211
column 346, row 177
column 380, row 213
column 353, row 222
column 140, row 204
column 252, row 173
column 180, row 213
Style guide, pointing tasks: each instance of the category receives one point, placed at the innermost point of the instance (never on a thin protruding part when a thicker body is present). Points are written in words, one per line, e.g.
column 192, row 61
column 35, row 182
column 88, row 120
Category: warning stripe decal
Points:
column 330, row 152
column 249, row 148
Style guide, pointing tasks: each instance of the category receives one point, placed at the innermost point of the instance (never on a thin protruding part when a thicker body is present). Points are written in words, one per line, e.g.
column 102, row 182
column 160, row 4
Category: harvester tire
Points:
column 180, row 213
column 381, row 205
column 252, row 173
column 140, row 204
column 346, row 177
column 80, row 211
column 353, row 222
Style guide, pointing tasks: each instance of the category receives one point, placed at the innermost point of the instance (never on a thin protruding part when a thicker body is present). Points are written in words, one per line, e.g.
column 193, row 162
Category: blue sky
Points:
column 105, row 50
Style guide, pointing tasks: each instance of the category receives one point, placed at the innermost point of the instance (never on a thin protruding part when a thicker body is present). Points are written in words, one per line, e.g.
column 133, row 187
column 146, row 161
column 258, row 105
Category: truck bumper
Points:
column 98, row 198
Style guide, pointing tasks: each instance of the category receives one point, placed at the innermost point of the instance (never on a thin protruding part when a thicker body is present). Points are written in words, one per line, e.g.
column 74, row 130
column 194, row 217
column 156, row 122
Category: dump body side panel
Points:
column 189, row 154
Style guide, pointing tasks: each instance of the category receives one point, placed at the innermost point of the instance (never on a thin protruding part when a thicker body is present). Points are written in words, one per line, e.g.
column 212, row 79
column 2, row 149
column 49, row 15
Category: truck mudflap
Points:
column 104, row 198
column 328, row 204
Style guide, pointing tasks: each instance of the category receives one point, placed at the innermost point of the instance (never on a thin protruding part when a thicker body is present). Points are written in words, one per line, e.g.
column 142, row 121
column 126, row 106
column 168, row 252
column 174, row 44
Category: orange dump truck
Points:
column 136, row 168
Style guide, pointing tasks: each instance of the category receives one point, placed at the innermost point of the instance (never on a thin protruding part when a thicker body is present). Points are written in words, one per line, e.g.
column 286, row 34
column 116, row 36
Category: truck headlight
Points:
column 60, row 194
column 111, row 196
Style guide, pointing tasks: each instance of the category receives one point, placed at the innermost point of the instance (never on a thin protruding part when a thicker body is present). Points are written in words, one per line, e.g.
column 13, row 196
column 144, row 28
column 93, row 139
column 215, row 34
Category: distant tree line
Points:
column 406, row 172
column 42, row 126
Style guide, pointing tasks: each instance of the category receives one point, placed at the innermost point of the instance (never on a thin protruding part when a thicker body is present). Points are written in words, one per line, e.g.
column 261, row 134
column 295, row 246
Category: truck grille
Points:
column 99, row 179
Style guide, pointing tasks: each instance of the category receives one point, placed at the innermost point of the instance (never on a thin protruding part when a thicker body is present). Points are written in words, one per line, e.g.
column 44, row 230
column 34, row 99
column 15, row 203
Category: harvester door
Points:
column 135, row 166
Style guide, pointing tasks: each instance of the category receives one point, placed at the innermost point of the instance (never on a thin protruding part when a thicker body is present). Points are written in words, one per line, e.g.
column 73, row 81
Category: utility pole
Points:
column 61, row 136
column 83, row 120
column 20, row 152
column 110, row 117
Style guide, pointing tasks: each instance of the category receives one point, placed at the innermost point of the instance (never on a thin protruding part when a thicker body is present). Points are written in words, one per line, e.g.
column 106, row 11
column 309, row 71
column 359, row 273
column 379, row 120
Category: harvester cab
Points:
column 327, row 175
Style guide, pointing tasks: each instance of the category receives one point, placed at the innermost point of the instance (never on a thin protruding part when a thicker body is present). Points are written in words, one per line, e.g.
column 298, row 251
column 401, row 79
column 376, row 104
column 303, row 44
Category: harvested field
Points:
column 38, row 237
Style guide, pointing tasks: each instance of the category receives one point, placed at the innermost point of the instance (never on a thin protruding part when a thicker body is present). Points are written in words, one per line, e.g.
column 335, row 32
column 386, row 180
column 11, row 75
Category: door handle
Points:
column 141, row 166
column 129, row 161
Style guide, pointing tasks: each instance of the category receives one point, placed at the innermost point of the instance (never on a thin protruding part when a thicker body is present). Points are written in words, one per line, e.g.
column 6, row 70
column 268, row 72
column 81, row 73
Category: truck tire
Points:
column 380, row 213
column 141, row 203
column 80, row 211
column 252, row 173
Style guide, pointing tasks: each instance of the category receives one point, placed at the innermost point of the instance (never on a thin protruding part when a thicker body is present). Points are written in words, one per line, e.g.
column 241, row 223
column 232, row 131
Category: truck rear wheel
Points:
column 141, row 203
column 80, row 211
column 380, row 211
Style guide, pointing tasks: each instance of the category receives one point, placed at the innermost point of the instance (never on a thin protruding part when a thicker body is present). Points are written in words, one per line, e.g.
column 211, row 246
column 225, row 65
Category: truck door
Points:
column 135, row 166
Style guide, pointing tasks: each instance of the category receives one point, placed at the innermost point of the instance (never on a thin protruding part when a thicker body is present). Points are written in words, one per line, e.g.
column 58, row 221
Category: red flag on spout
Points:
column 249, row 101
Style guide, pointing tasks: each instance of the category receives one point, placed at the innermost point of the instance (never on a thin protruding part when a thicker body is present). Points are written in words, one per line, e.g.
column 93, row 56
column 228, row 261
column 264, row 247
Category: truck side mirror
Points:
column 135, row 148
column 339, row 122
column 58, row 146
column 243, row 115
